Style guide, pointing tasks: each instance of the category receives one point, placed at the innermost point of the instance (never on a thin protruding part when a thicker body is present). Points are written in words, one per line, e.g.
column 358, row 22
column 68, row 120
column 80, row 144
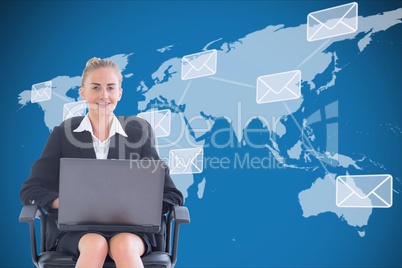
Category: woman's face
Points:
column 102, row 91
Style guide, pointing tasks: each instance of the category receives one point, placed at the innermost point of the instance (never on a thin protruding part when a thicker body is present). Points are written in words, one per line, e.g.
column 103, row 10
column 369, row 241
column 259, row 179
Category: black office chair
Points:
column 164, row 255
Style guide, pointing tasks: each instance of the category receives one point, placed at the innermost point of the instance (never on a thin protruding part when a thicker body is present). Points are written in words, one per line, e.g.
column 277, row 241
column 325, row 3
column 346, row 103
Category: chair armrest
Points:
column 179, row 215
column 28, row 214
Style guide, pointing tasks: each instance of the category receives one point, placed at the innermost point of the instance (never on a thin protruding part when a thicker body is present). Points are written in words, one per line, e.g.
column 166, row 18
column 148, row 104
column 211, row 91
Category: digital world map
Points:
column 267, row 191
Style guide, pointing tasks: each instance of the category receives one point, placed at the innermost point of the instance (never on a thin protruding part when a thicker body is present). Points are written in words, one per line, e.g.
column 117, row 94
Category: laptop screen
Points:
column 111, row 195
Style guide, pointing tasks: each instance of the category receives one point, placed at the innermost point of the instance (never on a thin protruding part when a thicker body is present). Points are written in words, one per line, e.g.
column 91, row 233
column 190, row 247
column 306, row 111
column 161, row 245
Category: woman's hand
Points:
column 55, row 204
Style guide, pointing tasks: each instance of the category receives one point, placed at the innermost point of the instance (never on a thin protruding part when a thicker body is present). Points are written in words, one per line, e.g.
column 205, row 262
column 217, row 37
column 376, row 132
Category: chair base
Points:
column 54, row 259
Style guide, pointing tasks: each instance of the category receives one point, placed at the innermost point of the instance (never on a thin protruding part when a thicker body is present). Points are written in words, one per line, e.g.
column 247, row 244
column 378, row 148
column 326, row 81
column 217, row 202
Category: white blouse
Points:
column 101, row 148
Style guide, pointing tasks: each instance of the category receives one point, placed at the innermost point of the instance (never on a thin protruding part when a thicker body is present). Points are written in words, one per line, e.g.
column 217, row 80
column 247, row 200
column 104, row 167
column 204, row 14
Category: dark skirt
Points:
column 68, row 242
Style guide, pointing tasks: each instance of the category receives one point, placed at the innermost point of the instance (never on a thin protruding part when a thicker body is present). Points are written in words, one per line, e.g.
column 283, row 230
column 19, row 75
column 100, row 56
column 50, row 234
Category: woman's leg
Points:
column 126, row 250
column 93, row 250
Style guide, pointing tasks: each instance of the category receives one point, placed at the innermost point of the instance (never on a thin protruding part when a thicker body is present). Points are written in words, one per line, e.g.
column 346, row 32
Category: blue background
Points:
column 42, row 40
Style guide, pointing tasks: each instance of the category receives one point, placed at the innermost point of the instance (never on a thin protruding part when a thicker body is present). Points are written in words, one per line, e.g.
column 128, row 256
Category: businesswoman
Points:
column 100, row 134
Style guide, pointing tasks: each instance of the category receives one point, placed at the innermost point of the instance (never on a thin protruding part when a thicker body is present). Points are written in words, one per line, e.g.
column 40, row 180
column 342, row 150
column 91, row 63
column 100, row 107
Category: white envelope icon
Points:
column 332, row 22
column 160, row 121
column 279, row 87
column 186, row 161
column 199, row 64
column 72, row 109
column 41, row 91
column 364, row 191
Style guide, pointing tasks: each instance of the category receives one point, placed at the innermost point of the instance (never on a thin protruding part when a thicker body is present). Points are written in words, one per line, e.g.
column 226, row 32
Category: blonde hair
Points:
column 96, row 63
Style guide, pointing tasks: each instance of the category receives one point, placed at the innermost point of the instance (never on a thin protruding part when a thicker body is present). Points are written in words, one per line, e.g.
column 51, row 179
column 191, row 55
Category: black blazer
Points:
column 42, row 186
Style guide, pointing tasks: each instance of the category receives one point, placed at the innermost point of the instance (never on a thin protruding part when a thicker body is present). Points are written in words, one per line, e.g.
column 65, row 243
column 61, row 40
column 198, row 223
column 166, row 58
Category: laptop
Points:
column 110, row 195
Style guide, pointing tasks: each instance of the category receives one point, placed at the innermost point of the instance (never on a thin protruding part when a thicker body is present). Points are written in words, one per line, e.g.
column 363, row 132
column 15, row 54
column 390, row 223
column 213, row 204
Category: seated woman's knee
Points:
column 94, row 243
column 125, row 244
